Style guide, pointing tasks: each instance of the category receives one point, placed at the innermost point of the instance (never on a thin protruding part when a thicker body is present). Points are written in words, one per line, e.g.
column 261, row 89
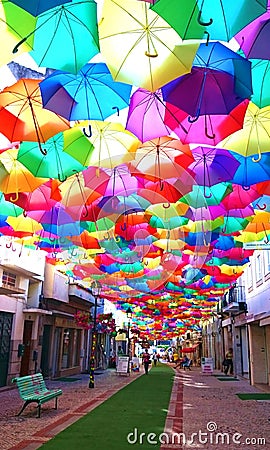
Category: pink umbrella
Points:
column 146, row 115
column 207, row 129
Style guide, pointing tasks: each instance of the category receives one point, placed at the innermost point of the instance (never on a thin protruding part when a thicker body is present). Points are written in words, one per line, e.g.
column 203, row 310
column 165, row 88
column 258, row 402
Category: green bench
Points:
column 32, row 389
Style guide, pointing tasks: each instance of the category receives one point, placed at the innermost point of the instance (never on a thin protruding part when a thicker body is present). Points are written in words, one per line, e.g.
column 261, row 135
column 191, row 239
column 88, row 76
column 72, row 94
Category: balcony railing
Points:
column 234, row 300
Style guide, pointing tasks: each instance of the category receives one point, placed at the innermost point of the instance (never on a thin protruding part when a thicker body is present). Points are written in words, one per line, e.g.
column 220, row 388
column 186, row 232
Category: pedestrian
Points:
column 120, row 350
column 146, row 361
column 228, row 362
column 155, row 358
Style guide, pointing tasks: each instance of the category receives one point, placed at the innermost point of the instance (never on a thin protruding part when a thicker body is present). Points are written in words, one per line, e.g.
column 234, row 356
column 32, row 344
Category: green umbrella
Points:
column 219, row 19
column 182, row 16
column 203, row 196
column 54, row 163
column 8, row 208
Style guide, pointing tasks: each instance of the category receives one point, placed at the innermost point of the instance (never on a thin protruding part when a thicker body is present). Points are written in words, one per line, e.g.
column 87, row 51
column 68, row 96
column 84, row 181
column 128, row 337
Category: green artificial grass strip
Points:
column 254, row 396
column 142, row 405
column 67, row 379
column 227, row 379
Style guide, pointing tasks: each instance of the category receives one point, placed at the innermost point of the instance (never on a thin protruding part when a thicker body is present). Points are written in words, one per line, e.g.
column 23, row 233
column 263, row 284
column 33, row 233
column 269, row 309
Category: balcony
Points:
column 76, row 291
column 6, row 289
column 234, row 301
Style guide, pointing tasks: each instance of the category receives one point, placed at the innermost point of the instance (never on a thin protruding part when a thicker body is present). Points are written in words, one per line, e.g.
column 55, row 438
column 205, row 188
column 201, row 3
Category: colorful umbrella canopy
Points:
column 214, row 92
column 146, row 115
column 139, row 43
column 208, row 129
column 253, row 138
column 35, row 7
column 113, row 144
column 92, row 91
column 23, row 117
column 52, row 163
column 71, row 36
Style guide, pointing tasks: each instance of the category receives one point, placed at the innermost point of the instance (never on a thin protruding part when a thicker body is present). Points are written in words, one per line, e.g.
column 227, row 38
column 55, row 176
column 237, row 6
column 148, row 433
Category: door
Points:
column 5, row 337
column 45, row 352
column 27, row 336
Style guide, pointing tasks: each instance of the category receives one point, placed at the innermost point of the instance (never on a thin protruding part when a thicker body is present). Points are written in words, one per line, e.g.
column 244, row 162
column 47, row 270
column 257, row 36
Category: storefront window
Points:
column 66, row 348
column 71, row 348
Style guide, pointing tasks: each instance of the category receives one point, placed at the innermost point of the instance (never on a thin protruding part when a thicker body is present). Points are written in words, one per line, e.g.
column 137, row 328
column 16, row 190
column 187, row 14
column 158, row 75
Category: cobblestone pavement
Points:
column 29, row 432
column 200, row 404
column 211, row 406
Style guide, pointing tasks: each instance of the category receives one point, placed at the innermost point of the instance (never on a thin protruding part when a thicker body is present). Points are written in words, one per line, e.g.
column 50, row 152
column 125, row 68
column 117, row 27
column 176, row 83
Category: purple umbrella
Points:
column 254, row 38
column 213, row 165
column 146, row 115
column 203, row 91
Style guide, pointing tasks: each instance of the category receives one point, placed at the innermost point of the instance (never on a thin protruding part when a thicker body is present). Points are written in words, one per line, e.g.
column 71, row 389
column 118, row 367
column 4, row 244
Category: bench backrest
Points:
column 30, row 384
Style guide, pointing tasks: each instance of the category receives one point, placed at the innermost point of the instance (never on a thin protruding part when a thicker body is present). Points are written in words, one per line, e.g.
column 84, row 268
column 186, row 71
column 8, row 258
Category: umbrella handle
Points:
column 246, row 188
column 266, row 240
column 16, row 198
column 61, row 179
column 201, row 22
column 73, row 253
column 194, row 119
column 166, row 205
column 151, row 55
column 210, row 136
column 208, row 37
column 123, row 228
column 16, row 48
column 117, row 109
column 204, row 193
column 24, row 213
column 89, row 134
column 85, row 214
column 258, row 158
column 261, row 207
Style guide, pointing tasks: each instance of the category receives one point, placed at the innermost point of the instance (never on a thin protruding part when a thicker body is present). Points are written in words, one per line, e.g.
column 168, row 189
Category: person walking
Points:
column 228, row 362
column 155, row 358
column 146, row 361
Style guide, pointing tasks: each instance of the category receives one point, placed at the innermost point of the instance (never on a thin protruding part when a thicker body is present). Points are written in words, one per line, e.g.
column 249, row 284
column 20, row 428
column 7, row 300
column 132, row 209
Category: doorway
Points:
column 45, row 352
column 27, row 336
column 5, row 338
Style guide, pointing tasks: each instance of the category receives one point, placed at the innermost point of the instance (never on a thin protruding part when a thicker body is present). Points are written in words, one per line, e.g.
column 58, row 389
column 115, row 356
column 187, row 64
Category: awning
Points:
column 189, row 349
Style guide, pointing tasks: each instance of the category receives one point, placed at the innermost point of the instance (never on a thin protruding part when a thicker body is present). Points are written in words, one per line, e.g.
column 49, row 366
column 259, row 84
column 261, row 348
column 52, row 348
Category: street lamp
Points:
column 95, row 291
column 129, row 316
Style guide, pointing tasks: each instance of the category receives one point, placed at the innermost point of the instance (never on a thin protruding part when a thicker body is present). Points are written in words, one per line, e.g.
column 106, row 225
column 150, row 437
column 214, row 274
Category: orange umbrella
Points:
column 22, row 116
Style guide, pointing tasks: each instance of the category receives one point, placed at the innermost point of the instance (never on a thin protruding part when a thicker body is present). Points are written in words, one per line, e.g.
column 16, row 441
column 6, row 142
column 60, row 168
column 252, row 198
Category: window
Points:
column 258, row 267
column 249, row 277
column 9, row 278
column 267, row 261
column 66, row 348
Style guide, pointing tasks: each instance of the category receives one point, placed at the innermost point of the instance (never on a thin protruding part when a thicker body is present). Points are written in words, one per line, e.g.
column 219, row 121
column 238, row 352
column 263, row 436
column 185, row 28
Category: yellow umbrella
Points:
column 254, row 137
column 113, row 144
column 25, row 224
column 19, row 179
column 140, row 48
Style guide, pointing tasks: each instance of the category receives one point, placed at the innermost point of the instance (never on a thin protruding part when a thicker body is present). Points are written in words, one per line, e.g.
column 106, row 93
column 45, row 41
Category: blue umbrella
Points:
column 250, row 172
column 36, row 7
column 94, row 95
column 217, row 56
